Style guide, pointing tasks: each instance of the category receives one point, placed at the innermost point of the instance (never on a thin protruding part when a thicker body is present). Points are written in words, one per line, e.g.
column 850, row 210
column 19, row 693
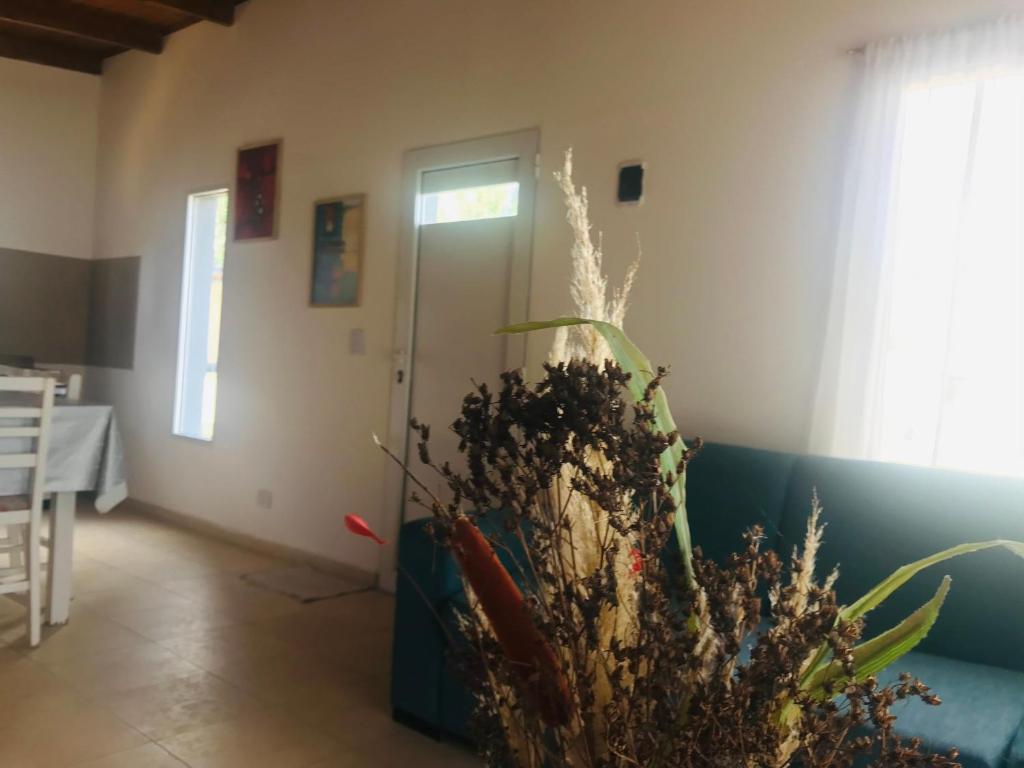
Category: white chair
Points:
column 11, row 542
column 25, row 423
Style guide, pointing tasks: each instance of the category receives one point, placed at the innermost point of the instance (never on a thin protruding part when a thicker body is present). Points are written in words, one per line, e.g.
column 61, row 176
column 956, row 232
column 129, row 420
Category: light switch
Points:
column 357, row 341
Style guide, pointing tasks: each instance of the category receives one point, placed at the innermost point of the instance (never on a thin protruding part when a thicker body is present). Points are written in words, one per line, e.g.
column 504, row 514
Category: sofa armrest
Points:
column 428, row 577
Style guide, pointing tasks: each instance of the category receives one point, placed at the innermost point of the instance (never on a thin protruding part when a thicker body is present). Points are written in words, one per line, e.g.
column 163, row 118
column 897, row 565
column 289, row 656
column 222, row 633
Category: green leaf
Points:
column 877, row 595
column 635, row 363
column 541, row 325
column 901, row 576
column 876, row 654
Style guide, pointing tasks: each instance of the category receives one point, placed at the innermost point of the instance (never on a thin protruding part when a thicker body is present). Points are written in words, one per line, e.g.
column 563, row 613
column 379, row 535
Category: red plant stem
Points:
column 528, row 652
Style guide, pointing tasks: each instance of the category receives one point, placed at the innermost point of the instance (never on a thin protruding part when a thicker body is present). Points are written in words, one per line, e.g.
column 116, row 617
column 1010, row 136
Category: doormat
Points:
column 303, row 583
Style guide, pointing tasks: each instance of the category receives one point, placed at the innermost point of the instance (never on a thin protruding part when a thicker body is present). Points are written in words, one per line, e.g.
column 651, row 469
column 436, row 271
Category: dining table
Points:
column 85, row 456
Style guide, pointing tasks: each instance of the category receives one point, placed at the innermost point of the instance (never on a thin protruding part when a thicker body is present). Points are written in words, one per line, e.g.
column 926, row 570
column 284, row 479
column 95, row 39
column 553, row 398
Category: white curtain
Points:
column 924, row 355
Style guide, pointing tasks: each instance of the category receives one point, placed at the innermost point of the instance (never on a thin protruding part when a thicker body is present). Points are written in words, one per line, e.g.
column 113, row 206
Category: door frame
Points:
column 524, row 145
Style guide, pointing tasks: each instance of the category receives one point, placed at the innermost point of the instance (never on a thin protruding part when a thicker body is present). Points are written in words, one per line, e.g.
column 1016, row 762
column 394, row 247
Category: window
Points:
column 492, row 201
column 924, row 359
column 199, row 331
column 952, row 381
column 486, row 190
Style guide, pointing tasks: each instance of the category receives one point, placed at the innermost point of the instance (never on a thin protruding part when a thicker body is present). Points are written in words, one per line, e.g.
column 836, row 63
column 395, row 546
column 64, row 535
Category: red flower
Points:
column 638, row 560
column 358, row 526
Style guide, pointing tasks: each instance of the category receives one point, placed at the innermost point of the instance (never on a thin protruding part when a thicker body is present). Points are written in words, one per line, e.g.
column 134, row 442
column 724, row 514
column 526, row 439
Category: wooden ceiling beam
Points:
column 220, row 11
column 39, row 52
column 84, row 21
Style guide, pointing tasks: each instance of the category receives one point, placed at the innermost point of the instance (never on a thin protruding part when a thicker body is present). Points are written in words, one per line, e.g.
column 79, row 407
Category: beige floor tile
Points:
column 172, row 621
column 368, row 610
column 270, row 740
column 198, row 588
column 149, row 756
column 85, row 635
column 123, row 670
column 274, row 679
column 226, row 558
column 402, row 748
column 360, row 730
column 222, row 647
column 83, row 564
column 70, row 732
column 26, row 684
column 342, row 760
column 13, row 629
column 346, row 637
column 167, row 644
column 164, row 710
column 228, row 594
column 119, row 601
column 163, row 569
column 323, row 702
column 104, row 577
column 113, row 549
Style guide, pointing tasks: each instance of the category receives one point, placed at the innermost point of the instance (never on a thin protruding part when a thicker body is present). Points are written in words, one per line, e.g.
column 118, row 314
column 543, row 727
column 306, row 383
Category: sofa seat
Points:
column 982, row 709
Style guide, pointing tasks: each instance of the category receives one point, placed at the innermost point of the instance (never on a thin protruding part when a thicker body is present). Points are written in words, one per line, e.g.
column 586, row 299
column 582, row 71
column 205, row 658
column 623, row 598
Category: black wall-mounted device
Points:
column 631, row 183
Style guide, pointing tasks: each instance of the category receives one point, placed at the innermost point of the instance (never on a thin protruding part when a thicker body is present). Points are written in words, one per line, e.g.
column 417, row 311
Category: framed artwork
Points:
column 257, row 187
column 338, row 229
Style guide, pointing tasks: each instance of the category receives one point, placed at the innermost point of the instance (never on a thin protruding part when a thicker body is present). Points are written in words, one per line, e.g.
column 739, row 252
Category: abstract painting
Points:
column 338, row 226
column 256, row 191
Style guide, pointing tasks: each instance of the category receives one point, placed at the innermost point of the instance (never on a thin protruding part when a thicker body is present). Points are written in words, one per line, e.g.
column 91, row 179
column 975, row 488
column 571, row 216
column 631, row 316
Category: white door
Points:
column 462, row 297
column 464, row 272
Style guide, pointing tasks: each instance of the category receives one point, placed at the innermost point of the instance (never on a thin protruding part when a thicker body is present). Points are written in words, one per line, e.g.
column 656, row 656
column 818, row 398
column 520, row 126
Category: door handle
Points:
column 399, row 359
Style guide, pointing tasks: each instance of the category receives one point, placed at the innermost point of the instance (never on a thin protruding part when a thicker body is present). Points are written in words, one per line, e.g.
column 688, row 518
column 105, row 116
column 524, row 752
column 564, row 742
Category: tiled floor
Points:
column 170, row 660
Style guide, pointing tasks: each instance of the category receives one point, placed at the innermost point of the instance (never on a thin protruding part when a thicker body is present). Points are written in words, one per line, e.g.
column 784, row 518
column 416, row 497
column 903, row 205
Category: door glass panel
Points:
column 494, row 201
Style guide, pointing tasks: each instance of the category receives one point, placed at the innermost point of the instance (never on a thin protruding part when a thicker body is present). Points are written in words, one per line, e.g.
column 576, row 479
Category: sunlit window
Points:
column 201, row 297
column 492, row 201
column 952, row 379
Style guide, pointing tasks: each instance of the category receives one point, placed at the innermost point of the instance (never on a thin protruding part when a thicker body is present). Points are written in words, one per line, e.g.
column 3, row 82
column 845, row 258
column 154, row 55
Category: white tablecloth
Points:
column 85, row 455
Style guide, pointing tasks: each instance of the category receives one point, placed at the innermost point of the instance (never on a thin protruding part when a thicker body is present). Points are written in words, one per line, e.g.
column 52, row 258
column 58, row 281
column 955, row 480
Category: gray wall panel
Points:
column 44, row 306
column 113, row 299
column 57, row 309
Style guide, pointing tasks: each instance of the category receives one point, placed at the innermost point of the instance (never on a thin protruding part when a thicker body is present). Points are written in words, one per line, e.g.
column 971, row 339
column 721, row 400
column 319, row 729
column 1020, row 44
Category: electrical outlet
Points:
column 264, row 499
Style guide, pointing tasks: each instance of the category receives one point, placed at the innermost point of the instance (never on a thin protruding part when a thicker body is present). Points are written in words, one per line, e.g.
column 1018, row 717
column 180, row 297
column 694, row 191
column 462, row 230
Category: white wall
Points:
column 738, row 106
column 48, row 132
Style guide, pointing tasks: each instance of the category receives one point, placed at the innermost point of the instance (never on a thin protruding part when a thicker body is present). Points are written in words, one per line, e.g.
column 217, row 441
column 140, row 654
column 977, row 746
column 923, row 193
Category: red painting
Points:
column 256, row 195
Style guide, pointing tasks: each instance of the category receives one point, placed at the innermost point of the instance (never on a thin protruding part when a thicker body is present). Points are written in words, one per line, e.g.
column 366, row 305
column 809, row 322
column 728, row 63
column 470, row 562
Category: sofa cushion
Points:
column 730, row 488
column 981, row 712
column 882, row 516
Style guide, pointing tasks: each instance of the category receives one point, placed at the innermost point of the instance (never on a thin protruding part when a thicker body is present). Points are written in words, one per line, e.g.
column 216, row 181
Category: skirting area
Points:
column 270, row 548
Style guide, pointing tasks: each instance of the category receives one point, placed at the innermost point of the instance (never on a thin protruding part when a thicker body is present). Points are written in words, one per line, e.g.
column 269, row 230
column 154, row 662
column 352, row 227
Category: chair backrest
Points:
column 26, row 407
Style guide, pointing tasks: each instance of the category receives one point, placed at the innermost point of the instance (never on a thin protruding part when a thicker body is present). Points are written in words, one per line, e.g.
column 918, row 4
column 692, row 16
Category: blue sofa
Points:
column 879, row 516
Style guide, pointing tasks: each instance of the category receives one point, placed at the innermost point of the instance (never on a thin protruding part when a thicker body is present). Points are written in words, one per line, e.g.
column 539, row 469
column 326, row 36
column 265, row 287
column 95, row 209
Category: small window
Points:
column 493, row 201
column 199, row 333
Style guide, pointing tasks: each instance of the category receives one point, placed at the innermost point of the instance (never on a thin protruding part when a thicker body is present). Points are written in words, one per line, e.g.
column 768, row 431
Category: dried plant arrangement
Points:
column 597, row 635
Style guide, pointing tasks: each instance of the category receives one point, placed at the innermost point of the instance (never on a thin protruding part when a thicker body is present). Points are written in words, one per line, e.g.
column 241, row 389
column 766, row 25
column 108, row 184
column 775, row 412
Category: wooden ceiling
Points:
column 80, row 34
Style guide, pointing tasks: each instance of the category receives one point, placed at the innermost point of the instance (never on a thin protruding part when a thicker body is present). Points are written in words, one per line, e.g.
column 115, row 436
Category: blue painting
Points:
column 338, row 251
